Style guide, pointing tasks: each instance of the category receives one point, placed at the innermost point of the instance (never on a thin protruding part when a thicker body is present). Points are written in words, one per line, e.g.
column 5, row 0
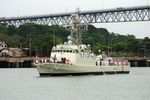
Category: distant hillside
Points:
column 100, row 38
column 40, row 38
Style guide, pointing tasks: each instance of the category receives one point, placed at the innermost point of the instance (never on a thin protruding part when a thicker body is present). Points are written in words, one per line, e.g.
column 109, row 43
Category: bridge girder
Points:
column 99, row 16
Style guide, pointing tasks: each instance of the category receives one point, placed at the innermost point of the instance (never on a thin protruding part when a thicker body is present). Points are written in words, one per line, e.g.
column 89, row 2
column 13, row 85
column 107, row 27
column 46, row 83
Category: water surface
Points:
column 25, row 84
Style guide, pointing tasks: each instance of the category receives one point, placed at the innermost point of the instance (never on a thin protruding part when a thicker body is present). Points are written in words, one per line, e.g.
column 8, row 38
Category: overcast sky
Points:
column 13, row 8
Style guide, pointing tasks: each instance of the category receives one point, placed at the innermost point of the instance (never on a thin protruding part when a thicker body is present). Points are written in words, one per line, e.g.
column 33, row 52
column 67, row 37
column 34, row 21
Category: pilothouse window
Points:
column 76, row 50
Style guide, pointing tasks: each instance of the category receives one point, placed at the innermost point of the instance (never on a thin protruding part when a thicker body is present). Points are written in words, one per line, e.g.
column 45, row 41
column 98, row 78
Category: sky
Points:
column 14, row 8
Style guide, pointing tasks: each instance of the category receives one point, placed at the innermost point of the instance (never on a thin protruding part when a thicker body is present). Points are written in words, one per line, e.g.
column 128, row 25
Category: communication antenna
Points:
column 147, row 2
column 54, row 31
column 17, row 12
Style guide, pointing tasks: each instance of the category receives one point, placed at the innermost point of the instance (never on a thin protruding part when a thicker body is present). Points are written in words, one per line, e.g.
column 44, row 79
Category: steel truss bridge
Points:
column 131, row 14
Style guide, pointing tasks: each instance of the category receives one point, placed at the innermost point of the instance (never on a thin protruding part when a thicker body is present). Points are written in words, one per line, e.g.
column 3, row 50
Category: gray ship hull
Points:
column 54, row 69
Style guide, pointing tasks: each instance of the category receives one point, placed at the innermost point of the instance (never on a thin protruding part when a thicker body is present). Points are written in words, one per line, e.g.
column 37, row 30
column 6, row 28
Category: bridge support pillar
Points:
column 147, row 63
column 135, row 63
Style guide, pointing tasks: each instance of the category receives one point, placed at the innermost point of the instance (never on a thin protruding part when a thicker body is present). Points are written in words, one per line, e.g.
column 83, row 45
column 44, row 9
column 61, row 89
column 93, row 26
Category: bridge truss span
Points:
column 99, row 16
column 121, row 16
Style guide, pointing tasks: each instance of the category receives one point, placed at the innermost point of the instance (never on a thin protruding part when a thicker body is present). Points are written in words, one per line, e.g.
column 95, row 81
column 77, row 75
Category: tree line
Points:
column 41, row 38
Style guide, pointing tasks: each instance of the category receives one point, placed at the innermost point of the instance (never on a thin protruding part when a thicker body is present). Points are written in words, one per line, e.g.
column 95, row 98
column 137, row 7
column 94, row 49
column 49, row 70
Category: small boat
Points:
column 75, row 58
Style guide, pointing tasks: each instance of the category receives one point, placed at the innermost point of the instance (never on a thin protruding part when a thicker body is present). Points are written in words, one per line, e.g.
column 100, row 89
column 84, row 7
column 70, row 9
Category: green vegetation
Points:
column 38, row 38
column 41, row 38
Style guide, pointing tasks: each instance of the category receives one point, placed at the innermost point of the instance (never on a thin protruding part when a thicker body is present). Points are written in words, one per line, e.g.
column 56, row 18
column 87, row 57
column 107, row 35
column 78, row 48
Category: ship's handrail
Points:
column 115, row 62
column 52, row 60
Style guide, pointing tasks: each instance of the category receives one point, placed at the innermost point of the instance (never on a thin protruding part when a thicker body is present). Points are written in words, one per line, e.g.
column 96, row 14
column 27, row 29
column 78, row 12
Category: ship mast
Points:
column 76, row 28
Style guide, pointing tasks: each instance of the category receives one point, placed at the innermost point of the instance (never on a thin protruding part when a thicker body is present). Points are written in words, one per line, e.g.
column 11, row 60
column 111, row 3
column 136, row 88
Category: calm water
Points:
column 25, row 84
